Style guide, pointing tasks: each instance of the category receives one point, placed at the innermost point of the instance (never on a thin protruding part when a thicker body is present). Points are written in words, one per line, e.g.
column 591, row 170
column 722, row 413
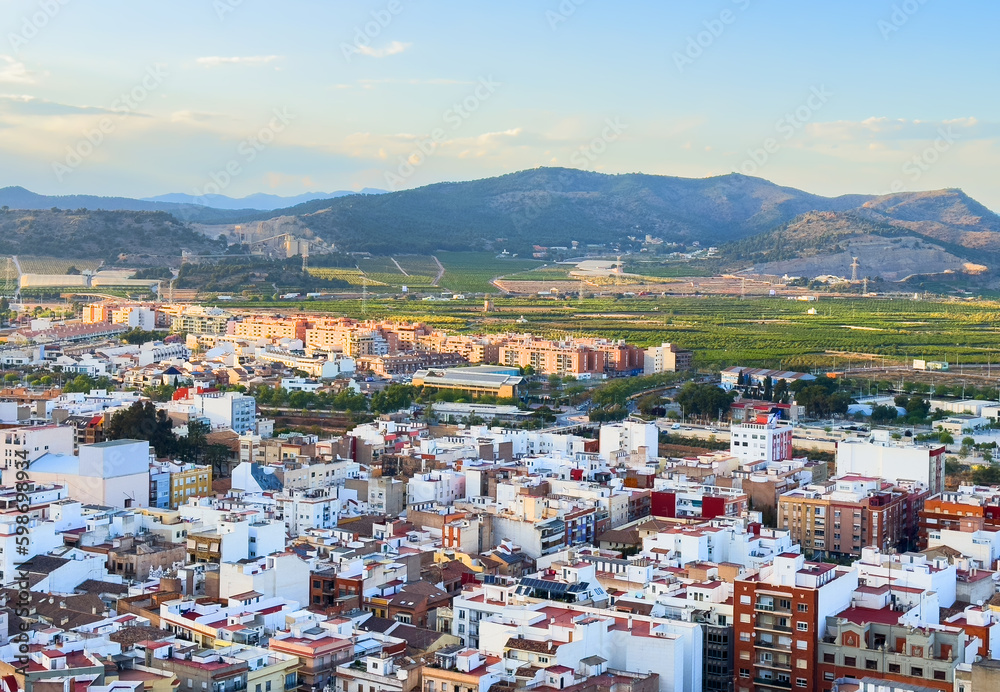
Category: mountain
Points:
column 754, row 222
column 893, row 236
column 555, row 206
column 19, row 198
column 135, row 237
column 259, row 201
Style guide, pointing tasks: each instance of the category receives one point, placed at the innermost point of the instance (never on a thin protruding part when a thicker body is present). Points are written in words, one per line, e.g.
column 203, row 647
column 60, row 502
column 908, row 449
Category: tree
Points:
column 393, row 398
column 703, row 399
column 142, row 421
column 780, row 394
column 945, row 438
column 884, row 414
column 768, row 388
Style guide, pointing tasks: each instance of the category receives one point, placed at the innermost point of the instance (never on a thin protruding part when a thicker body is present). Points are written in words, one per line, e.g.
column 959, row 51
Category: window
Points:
column 829, row 658
column 785, row 604
column 744, row 617
column 744, row 600
column 744, row 672
column 893, row 667
column 850, row 661
column 744, row 636
column 871, row 664
column 828, row 676
column 916, row 672
column 802, row 626
column 940, row 675
column 803, row 607
column 801, row 682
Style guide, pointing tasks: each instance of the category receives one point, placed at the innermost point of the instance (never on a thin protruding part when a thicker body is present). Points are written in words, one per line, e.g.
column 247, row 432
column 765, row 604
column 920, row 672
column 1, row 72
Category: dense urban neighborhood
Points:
column 197, row 498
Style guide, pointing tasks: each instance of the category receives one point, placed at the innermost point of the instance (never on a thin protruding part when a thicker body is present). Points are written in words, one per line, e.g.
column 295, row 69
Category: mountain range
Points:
column 754, row 222
column 259, row 201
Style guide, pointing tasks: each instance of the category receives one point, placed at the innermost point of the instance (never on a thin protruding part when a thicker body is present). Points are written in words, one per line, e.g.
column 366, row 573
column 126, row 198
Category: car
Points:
column 675, row 426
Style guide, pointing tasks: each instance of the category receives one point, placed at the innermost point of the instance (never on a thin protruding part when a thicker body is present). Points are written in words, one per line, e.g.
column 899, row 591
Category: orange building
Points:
column 261, row 327
column 946, row 510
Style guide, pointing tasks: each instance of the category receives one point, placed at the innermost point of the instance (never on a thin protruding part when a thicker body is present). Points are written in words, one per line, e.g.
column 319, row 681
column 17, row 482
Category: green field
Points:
column 728, row 331
column 385, row 271
column 52, row 265
column 472, row 272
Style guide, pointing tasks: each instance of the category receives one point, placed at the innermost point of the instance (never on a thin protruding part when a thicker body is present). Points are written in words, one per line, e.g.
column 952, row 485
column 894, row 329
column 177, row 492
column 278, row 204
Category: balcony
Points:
column 772, row 627
column 775, row 665
column 772, row 645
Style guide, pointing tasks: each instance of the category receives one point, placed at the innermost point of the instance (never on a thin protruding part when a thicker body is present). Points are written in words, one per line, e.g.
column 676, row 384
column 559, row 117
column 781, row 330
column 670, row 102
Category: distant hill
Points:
column 259, row 201
column 145, row 237
column 555, row 206
column 755, row 222
column 893, row 237
column 19, row 198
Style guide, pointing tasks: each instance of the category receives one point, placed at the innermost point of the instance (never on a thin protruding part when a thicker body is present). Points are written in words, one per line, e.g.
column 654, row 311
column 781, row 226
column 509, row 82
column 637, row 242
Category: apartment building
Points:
column 780, row 618
column 869, row 643
column 28, row 443
column 271, row 328
column 761, row 440
column 849, row 514
column 553, row 358
column 666, row 358
column 200, row 320
column 945, row 511
column 880, row 456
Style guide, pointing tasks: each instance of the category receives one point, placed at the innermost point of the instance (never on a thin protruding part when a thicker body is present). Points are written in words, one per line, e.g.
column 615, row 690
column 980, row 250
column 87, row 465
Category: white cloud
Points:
column 14, row 72
column 252, row 60
column 394, row 48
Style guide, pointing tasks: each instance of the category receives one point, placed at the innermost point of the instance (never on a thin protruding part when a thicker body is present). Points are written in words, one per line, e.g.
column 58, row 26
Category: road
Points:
column 802, row 438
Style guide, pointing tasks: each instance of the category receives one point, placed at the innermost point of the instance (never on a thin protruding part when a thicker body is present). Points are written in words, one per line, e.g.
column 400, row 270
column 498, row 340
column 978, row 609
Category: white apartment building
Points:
column 894, row 460
column 437, row 487
column 232, row 410
column 628, row 440
column 301, row 510
column 32, row 442
column 761, row 441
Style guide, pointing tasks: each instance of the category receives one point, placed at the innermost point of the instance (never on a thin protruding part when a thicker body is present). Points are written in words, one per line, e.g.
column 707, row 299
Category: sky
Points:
column 139, row 98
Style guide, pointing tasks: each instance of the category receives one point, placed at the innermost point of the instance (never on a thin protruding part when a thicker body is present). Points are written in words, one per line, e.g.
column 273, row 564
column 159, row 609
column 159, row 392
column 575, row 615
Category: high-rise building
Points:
column 780, row 616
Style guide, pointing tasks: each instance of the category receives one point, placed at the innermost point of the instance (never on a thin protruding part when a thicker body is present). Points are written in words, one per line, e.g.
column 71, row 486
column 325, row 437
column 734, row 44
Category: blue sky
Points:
column 244, row 96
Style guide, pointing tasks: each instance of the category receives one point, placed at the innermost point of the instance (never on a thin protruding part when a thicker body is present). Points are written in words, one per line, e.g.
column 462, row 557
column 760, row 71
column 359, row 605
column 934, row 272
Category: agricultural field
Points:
column 354, row 277
column 385, row 271
column 472, row 272
column 52, row 265
column 721, row 331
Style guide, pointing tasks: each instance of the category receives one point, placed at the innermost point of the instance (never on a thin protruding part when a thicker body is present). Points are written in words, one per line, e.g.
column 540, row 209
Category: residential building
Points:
column 780, row 619
column 849, row 514
column 666, row 358
column 883, row 457
column 761, row 440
